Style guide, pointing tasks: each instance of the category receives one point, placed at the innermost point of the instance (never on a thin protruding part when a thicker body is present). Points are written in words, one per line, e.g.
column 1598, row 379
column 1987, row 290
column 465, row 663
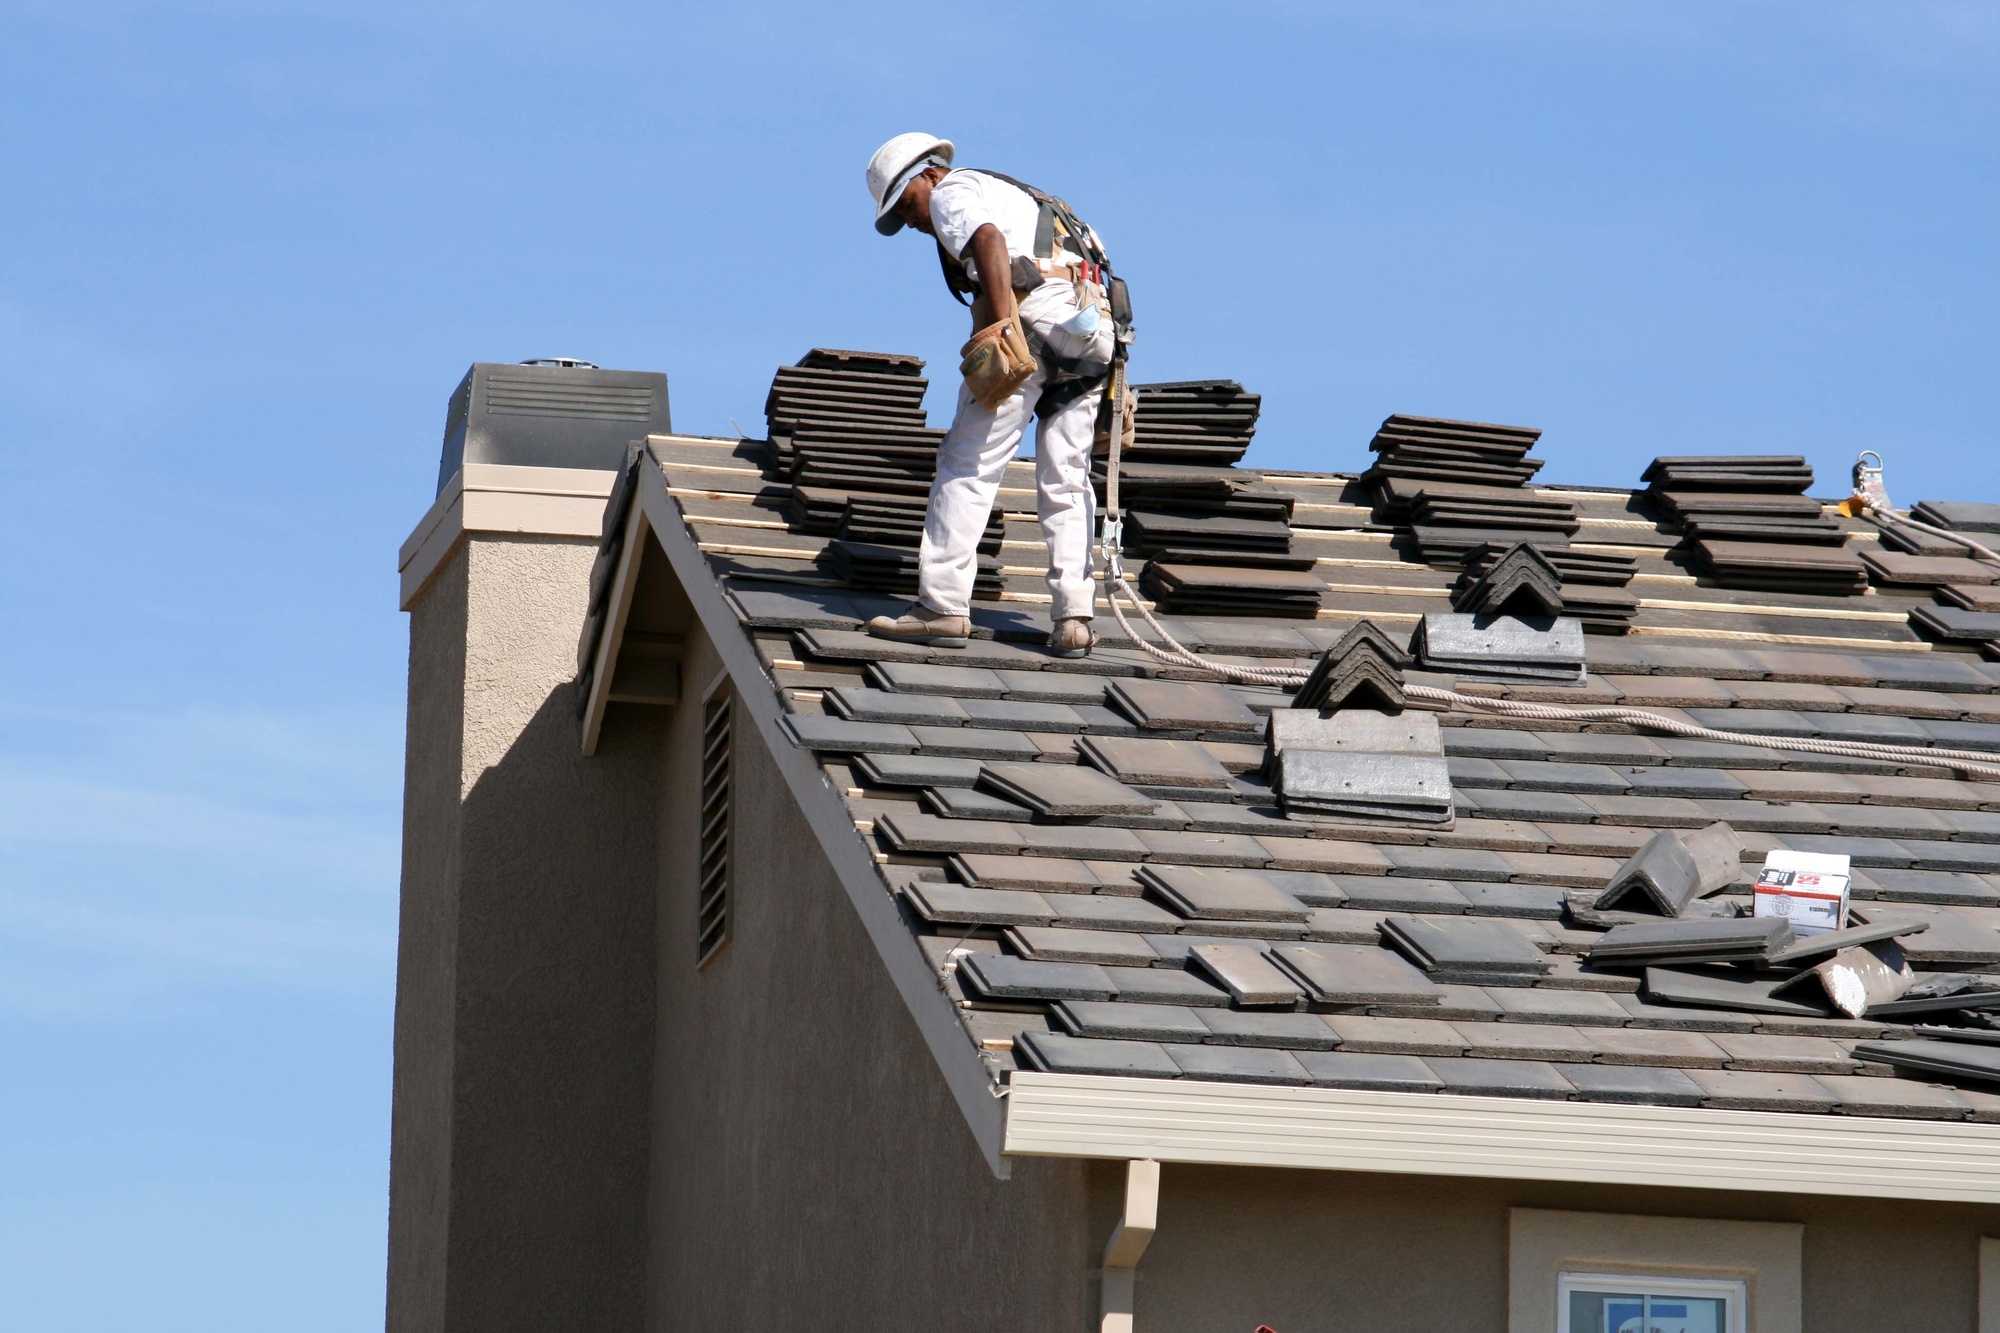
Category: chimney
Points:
column 524, row 987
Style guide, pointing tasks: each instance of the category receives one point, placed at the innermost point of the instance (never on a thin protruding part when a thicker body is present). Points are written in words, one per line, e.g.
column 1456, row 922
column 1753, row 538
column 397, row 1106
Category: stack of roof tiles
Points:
column 1751, row 525
column 1193, row 421
column 1435, row 449
column 1218, row 541
column 852, row 420
column 1358, row 766
column 1192, row 930
column 1460, row 484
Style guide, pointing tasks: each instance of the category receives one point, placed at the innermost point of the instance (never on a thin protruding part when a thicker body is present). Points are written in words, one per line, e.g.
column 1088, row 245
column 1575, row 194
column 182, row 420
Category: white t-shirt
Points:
column 965, row 201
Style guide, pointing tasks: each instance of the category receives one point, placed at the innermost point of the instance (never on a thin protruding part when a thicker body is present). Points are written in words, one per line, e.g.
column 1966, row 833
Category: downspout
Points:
column 1118, row 1277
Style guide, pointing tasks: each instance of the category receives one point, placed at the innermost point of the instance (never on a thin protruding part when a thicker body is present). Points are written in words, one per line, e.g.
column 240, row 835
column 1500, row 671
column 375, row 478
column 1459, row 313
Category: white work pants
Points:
column 975, row 454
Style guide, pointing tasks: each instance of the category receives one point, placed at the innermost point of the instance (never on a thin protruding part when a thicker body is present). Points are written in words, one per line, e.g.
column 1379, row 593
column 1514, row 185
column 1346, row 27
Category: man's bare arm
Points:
column 988, row 252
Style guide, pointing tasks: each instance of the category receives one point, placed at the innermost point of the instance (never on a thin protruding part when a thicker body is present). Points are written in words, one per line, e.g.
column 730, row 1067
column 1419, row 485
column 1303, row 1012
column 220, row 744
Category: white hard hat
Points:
column 894, row 165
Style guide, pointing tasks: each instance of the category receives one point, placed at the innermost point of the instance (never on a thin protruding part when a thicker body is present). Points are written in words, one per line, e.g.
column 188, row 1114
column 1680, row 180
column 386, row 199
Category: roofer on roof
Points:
column 1042, row 343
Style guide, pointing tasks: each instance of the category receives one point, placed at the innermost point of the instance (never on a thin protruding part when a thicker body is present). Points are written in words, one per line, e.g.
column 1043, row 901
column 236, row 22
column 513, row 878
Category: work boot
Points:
column 921, row 625
column 1072, row 637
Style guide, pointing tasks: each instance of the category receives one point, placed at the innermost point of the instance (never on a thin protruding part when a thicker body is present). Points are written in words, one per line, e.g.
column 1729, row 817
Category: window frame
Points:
column 1735, row 1293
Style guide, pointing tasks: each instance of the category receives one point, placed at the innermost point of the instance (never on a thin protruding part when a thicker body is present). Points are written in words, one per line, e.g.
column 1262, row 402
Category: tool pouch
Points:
column 996, row 361
column 1101, row 443
column 1121, row 303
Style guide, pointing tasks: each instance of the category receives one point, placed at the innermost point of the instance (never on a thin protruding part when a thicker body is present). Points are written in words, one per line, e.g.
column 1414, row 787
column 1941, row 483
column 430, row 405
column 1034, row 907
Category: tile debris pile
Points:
column 1097, row 858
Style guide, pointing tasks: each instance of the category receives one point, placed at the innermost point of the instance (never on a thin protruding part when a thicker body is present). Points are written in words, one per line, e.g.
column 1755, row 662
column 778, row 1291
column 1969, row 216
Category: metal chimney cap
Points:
column 561, row 362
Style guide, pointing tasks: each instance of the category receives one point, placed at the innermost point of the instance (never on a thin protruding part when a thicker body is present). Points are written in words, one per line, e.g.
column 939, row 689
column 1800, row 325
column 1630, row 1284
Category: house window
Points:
column 1615, row 1271
column 717, row 815
column 1605, row 1303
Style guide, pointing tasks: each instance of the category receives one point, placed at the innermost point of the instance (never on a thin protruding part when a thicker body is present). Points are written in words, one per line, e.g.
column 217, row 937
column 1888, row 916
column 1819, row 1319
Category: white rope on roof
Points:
column 1969, row 763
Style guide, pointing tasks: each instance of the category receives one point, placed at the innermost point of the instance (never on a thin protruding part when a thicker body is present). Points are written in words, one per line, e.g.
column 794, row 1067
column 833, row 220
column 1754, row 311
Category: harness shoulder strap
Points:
column 1053, row 211
column 956, row 281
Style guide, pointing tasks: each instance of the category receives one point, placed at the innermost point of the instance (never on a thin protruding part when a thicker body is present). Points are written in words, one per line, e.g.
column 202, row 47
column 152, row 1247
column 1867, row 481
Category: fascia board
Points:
column 618, row 610
column 965, row 1074
column 1506, row 1138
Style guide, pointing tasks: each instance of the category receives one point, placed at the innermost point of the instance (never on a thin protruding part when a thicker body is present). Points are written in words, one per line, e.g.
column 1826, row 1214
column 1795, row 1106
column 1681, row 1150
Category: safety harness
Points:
column 1065, row 246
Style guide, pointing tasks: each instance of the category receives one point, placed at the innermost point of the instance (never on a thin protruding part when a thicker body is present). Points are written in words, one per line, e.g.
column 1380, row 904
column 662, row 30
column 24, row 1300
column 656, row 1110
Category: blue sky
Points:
column 246, row 250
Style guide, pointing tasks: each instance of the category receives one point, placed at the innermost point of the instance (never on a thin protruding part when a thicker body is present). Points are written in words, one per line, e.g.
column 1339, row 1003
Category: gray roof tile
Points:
column 1296, row 1032
column 832, row 735
column 1560, row 807
column 925, row 678
column 1024, row 872
column 1396, row 1036
column 1209, row 849
column 1217, row 893
column 1453, row 862
column 1698, row 783
column 1575, row 779
column 1059, row 1054
column 1165, row 985
column 1501, row 1078
column 964, row 803
column 1125, row 1021
column 1020, row 715
column 1736, row 1090
column 1083, row 841
column 1166, row 705
column 1246, row 973
column 1628, row 1083
column 1101, row 911
column 920, row 833
column 1003, row 977
column 1784, row 1055
column 1368, row 1072
column 1353, row 975
column 1534, row 1004
column 1049, row 687
column 1391, row 893
column 915, row 770
column 1526, row 901
column 955, row 904
column 974, row 743
column 1526, row 1041
column 1237, row 1064
column 1061, row 944
column 1894, row 1097
column 1664, row 1049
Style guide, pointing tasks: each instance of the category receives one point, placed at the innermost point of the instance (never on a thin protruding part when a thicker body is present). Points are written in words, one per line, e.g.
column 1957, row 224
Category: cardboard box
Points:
column 1808, row 889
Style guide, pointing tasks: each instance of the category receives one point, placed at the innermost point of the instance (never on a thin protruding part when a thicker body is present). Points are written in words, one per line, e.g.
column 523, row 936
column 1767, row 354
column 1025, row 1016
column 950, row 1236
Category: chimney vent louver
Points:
column 550, row 412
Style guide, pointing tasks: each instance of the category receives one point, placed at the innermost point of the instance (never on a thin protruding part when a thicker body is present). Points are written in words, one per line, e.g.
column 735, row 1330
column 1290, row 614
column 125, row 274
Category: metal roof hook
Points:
column 1870, row 497
column 1868, row 485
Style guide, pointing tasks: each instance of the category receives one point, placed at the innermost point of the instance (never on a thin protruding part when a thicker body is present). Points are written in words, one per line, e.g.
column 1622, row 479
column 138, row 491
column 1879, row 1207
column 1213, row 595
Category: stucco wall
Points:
column 1320, row 1252
column 810, row 1170
column 524, row 991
